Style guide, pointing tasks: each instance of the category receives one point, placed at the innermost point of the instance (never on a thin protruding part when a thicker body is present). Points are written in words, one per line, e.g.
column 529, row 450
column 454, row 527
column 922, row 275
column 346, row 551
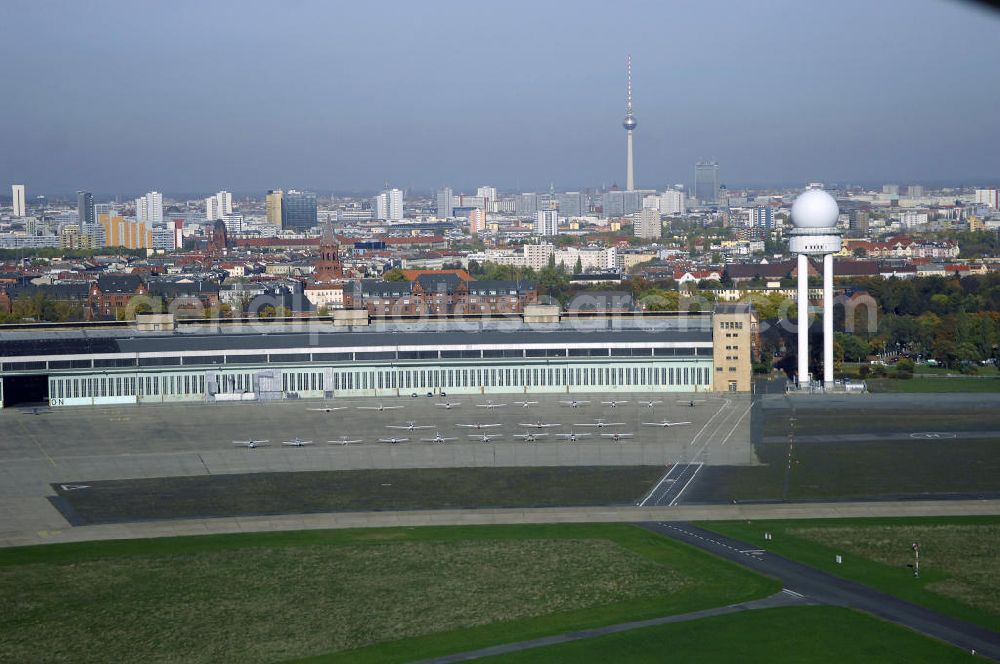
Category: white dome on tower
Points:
column 814, row 208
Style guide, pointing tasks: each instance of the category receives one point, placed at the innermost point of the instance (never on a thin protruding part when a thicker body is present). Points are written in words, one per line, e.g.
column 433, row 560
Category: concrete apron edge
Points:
column 244, row 524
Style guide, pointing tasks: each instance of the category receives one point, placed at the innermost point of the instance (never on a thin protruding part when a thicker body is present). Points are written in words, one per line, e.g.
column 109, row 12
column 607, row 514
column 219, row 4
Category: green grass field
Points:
column 920, row 384
column 959, row 568
column 801, row 634
column 366, row 595
column 112, row 501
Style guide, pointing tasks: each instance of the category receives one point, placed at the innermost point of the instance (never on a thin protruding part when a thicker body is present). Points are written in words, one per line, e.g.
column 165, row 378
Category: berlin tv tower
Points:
column 629, row 123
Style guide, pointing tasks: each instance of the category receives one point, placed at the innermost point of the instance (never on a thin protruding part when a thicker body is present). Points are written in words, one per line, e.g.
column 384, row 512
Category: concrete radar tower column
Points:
column 814, row 217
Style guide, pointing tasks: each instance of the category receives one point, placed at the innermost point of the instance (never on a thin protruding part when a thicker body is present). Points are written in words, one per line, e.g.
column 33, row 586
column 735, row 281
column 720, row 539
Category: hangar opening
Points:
column 25, row 390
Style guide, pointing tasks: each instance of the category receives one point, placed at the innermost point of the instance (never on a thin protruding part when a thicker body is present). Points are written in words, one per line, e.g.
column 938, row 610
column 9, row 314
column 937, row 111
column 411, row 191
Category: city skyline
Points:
column 774, row 98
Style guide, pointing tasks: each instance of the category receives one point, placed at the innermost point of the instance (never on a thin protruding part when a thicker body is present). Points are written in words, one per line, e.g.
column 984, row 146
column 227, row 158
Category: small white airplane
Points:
column 252, row 443
column 485, row 437
column 613, row 403
column 530, row 437
column 490, row 405
column 328, row 409
column 691, row 402
column 379, row 407
column 410, row 426
column 538, row 425
column 438, row 438
column 617, row 437
column 600, row 424
column 478, row 426
column 574, row 403
column 344, row 440
column 448, row 405
column 572, row 437
column 525, row 404
column 297, row 442
column 393, row 440
column 650, row 404
column 664, row 423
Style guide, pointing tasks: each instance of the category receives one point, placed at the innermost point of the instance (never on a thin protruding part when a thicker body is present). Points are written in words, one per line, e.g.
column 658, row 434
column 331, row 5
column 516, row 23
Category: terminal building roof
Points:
column 608, row 332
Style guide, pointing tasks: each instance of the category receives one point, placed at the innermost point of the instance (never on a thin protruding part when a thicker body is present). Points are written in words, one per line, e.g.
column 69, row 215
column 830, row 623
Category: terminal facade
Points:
column 698, row 352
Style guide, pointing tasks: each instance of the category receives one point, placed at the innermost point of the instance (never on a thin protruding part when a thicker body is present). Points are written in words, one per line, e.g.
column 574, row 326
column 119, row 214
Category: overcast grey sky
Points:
column 194, row 96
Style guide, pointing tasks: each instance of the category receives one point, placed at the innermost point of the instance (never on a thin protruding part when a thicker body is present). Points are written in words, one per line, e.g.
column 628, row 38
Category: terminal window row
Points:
column 517, row 377
column 190, row 384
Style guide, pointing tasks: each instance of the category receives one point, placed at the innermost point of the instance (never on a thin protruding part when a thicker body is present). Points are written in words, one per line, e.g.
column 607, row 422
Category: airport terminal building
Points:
column 358, row 357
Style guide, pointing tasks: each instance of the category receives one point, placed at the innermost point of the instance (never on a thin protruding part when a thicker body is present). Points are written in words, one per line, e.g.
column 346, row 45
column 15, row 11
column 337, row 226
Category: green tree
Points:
column 659, row 299
column 904, row 368
column 855, row 348
column 578, row 268
column 395, row 274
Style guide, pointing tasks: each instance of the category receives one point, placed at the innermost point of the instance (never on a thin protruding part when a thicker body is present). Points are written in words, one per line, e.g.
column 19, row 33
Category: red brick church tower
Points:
column 328, row 267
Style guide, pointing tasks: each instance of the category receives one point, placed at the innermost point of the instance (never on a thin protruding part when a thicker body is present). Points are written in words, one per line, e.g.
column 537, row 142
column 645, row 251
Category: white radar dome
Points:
column 814, row 208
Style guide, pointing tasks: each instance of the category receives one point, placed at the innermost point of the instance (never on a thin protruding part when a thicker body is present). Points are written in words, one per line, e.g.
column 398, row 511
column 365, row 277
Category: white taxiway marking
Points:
column 684, row 488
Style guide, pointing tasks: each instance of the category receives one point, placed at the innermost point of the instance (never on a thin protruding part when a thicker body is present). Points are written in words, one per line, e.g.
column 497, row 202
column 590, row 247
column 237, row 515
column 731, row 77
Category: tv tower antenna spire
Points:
column 628, row 78
column 629, row 123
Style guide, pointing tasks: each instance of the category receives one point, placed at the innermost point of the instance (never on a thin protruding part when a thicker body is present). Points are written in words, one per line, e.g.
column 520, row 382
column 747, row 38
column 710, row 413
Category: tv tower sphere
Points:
column 814, row 208
column 629, row 122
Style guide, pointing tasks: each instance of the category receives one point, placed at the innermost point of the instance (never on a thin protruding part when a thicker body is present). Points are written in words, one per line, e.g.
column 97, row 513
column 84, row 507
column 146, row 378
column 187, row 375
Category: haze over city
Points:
column 581, row 332
column 188, row 97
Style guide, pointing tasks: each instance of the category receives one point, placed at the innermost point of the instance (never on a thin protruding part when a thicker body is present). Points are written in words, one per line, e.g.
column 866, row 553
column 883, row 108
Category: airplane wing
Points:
column 546, row 426
column 329, row 409
column 367, row 407
column 445, row 439
column 656, row 424
column 614, row 424
column 297, row 443
column 393, row 440
column 422, row 426
column 674, row 424
column 345, row 442
column 616, row 435
column 391, row 407
column 397, row 426
column 588, row 424
column 541, row 435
